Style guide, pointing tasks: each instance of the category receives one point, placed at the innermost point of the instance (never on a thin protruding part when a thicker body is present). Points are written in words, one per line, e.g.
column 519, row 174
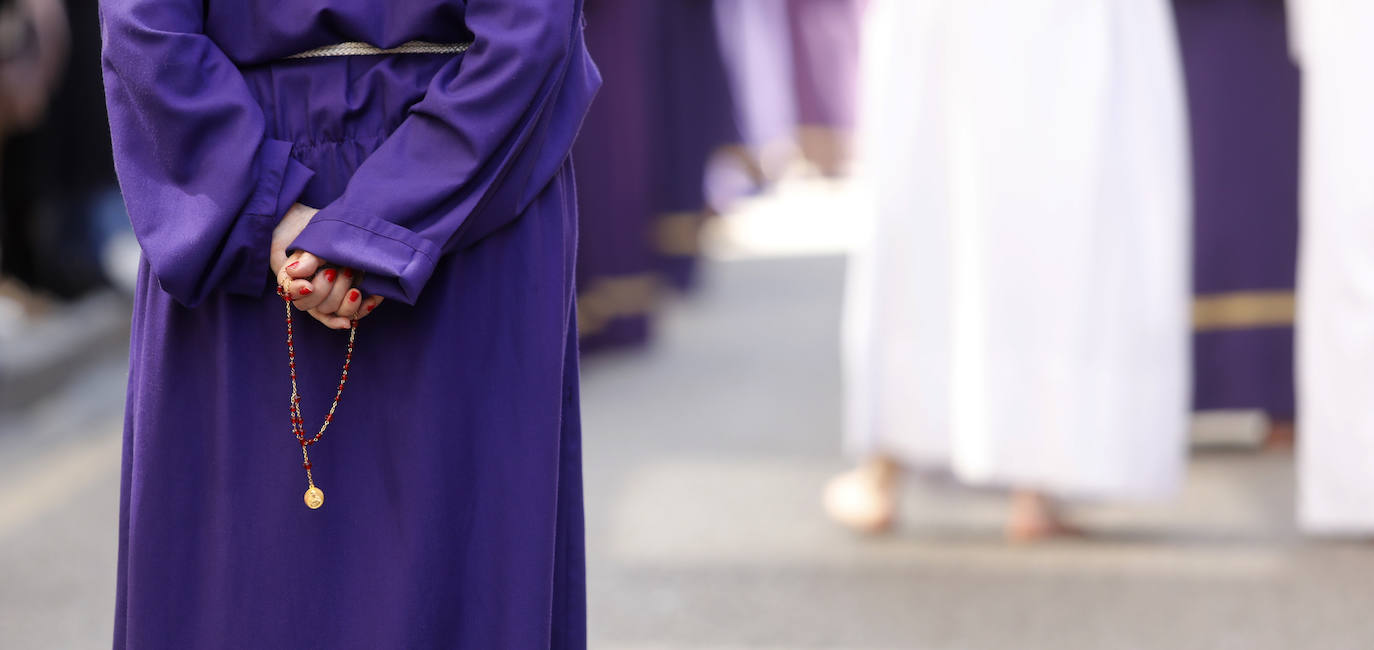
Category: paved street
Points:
column 706, row 453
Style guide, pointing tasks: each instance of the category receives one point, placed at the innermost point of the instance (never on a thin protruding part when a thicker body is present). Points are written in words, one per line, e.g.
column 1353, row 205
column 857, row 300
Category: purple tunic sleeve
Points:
column 457, row 167
column 203, row 184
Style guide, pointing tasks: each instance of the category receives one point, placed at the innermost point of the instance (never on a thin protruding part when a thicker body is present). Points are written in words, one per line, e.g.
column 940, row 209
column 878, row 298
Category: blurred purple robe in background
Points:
column 1243, row 101
column 665, row 111
column 793, row 66
column 694, row 119
column 825, row 67
column 453, row 513
column 616, row 262
column 757, row 50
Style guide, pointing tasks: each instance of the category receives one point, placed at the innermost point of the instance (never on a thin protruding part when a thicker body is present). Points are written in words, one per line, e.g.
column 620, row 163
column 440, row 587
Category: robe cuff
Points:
column 397, row 262
column 282, row 180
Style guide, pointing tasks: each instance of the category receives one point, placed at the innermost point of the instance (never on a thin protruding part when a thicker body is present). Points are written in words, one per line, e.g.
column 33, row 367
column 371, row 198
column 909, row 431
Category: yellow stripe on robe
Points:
column 1243, row 310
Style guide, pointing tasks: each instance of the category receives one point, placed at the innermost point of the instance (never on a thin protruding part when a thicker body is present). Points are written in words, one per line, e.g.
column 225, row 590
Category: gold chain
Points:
column 314, row 496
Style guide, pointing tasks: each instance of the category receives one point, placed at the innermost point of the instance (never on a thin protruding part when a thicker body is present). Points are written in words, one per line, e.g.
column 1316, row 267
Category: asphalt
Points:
column 705, row 455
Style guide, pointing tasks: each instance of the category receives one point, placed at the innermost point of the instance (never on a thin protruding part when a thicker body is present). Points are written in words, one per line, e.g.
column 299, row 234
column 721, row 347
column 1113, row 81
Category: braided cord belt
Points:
column 357, row 48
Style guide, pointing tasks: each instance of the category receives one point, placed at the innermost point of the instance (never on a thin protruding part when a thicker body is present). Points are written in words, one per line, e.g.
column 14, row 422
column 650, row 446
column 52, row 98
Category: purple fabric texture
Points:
column 825, row 60
column 616, row 258
column 452, row 470
column 1243, row 101
column 665, row 110
column 695, row 118
column 757, row 52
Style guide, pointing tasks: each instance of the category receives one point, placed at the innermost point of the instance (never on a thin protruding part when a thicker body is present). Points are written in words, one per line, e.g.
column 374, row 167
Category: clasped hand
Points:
column 327, row 292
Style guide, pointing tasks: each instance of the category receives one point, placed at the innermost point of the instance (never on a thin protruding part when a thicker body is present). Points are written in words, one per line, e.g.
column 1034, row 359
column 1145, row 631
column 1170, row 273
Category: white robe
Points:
column 1335, row 46
column 1019, row 313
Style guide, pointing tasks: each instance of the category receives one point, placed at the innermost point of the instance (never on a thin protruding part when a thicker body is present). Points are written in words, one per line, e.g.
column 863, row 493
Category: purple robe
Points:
column 665, row 111
column 616, row 261
column 453, row 514
column 1243, row 100
column 825, row 67
column 757, row 50
column 825, row 60
column 695, row 119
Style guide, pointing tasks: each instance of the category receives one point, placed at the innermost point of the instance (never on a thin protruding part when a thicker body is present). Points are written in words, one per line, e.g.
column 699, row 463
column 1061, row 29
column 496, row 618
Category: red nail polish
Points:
column 330, row 274
column 348, row 273
column 369, row 307
column 292, row 265
column 305, row 291
column 354, row 295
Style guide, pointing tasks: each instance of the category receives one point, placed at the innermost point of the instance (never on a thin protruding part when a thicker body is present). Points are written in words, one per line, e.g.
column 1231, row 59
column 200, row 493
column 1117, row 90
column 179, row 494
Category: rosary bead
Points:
column 297, row 420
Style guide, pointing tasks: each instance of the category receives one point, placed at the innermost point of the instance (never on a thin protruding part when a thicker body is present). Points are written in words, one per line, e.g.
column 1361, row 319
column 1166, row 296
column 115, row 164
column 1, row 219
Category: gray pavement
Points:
column 706, row 453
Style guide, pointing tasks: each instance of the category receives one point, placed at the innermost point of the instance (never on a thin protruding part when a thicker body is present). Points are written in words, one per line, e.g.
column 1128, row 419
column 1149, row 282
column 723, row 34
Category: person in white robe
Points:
column 1019, row 312
column 1334, row 44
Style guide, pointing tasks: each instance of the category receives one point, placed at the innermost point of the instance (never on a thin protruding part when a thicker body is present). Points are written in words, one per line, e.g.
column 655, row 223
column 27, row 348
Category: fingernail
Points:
column 330, row 274
column 305, row 291
column 354, row 295
column 348, row 273
column 292, row 265
column 369, row 307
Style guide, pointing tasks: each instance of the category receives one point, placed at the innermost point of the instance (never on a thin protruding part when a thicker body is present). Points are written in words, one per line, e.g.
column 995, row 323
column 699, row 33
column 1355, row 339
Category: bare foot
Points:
column 1281, row 437
column 864, row 498
column 1035, row 518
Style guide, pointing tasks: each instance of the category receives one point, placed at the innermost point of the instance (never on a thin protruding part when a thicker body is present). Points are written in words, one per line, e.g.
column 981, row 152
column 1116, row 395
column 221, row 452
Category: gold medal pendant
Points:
column 314, row 498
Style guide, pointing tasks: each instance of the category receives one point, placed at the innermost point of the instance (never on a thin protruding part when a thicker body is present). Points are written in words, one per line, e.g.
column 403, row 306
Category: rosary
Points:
column 314, row 496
